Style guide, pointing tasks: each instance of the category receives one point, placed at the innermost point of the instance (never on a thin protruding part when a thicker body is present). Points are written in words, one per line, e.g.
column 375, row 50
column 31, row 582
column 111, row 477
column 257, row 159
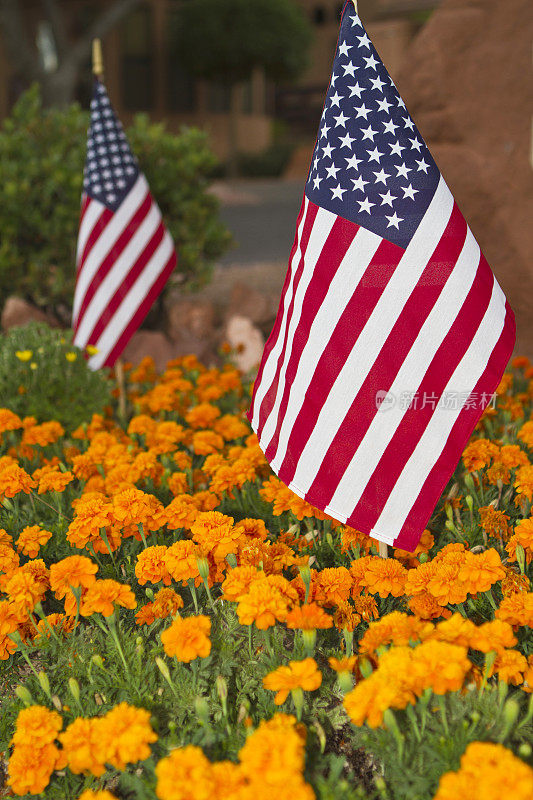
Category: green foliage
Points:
column 48, row 385
column 225, row 40
column 42, row 153
column 270, row 163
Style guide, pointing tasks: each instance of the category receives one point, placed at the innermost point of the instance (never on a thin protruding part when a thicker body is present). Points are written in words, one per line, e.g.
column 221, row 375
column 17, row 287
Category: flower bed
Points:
column 176, row 623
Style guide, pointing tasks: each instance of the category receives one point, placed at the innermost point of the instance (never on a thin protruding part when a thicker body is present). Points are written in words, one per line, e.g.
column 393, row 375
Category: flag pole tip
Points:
column 98, row 59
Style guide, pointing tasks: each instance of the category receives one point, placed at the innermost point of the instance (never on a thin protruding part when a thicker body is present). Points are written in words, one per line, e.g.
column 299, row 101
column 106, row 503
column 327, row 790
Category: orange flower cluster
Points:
column 487, row 769
column 303, row 675
column 35, row 754
column 188, row 638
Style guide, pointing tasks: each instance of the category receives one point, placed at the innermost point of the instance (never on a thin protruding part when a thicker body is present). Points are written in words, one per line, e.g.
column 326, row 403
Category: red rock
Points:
column 150, row 343
column 17, row 312
column 466, row 82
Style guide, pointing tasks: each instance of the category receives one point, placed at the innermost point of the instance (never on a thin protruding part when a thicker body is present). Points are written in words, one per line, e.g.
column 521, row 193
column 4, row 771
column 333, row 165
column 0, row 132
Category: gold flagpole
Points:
column 98, row 72
column 355, row 4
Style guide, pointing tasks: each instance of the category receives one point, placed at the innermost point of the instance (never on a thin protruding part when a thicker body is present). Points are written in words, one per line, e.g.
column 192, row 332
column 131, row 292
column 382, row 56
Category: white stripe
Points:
column 91, row 216
column 320, row 231
column 342, row 286
column 117, row 274
column 105, row 242
column 433, row 441
column 429, row 339
column 131, row 302
column 269, row 369
column 374, row 334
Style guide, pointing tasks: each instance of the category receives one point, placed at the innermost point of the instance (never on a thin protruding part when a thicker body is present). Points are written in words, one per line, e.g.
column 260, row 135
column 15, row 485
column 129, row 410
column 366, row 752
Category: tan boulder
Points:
column 190, row 318
column 246, row 301
column 18, row 312
column 150, row 343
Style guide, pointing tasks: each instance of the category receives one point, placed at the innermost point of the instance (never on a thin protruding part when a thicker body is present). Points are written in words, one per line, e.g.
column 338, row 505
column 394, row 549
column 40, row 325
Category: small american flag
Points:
column 125, row 254
column 392, row 333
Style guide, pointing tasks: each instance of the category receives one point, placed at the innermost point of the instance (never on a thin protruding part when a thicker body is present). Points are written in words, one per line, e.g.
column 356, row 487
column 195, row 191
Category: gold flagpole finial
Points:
column 355, row 6
column 98, row 59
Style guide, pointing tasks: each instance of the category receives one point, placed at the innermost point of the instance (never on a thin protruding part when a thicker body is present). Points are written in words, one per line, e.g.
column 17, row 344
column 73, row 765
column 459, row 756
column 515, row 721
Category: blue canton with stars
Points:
column 111, row 168
column 370, row 164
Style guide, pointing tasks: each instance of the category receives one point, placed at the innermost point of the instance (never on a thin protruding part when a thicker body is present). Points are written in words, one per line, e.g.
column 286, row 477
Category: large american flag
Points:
column 125, row 254
column 392, row 333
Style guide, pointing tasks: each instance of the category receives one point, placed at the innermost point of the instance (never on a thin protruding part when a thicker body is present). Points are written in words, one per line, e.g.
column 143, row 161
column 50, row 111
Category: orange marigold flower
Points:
column 9, row 421
column 181, row 512
column 510, row 666
column 206, row 442
column 440, row 666
column 394, row 628
column 425, row 606
column 263, row 604
column 346, row 664
column 145, row 615
column 44, row 434
column 166, row 603
column 103, row 595
column 345, row 617
column 180, row 560
column 523, row 535
column 231, row 427
column 185, row 774
column 455, row 630
column 24, row 591
column 525, row 433
column 92, row 514
column 82, row 746
column 188, row 638
column 384, row 576
column 202, row 416
column 14, row 479
column 30, row 540
column 480, row 571
column 238, row 582
column 9, row 622
column 134, row 507
column 215, row 533
column 30, row 768
column 366, row 606
column 99, row 794
column 72, row 571
column 333, row 585
column 296, row 675
column 487, row 768
column 494, row 522
column 479, row 453
column 178, row 483
column 493, row 635
column 54, row 481
column 308, row 617
column 523, row 483
column 126, row 735
column 36, row 726
column 151, row 566
column 517, row 609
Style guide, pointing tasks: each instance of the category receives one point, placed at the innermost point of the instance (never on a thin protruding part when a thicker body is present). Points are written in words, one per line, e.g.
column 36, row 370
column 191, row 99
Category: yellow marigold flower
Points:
column 91, row 350
column 72, row 571
column 346, row 664
column 71, row 356
column 82, row 746
column 332, row 586
column 263, row 604
column 480, row 571
column 238, row 582
column 166, row 603
column 206, row 442
column 180, row 560
column 103, row 595
column 517, row 609
column 439, row 666
column 479, row 453
column 126, row 735
column 510, row 666
column 185, row 774
column 36, row 726
column 308, row 617
column 215, row 533
column 493, row 635
column 30, row 540
column 9, row 421
column 54, row 481
column 14, row 479
column 23, row 355
column 501, row 772
column 188, row 638
column 385, row 576
column 44, row 434
column 30, row 768
column 297, row 675
column 151, row 566
column 24, row 591
column 181, row 512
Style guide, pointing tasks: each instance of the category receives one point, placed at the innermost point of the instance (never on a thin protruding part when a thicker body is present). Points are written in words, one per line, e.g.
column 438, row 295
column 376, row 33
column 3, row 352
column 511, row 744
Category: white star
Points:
column 394, row 221
column 315, row 162
column 371, row 62
column 422, row 166
column 343, row 48
column 332, row 171
column 316, row 182
column 355, row 21
column 416, row 145
column 368, row 133
column 349, row 69
column 390, row 127
column 338, row 191
column 384, row 105
column 381, row 177
column 408, row 191
column 323, row 130
column 346, row 141
column 121, row 184
column 341, row 120
column 396, row 149
column 353, row 162
column 364, row 41
column 374, row 155
column 335, row 99
column 377, row 83
column 363, row 111
column 388, row 199
column 409, row 123
column 111, row 198
column 359, row 183
column 400, row 102
column 356, row 90
column 402, row 170
column 333, row 79
column 365, row 205
column 328, row 150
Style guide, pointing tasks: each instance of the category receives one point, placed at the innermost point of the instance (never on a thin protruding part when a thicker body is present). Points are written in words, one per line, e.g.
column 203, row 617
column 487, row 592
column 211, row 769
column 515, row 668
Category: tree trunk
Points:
column 233, row 130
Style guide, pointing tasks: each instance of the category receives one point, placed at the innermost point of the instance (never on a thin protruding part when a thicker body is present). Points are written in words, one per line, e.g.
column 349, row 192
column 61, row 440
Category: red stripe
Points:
column 142, row 311
column 270, row 396
column 127, row 282
column 96, row 231
column 334, row 250
column 433, row 486
column 353, row 320
column 449, row 355
column 113, row 254
column 385, row 368
column 279, row 317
